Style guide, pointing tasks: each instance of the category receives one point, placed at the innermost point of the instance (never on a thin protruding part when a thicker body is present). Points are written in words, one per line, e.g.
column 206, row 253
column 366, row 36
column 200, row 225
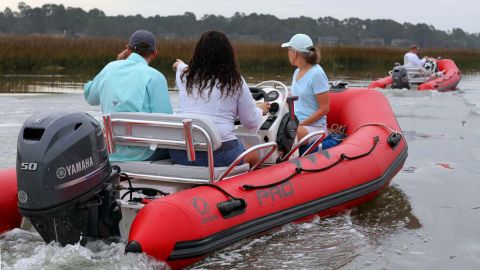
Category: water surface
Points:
column 427, row 219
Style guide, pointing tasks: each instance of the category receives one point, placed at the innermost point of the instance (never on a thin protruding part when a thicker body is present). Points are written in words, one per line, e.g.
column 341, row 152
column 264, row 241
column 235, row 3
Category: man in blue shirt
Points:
column 131, row 85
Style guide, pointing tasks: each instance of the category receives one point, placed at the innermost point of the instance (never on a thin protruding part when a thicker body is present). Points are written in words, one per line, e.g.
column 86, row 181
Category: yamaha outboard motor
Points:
column 400, row 77
column 66, row 186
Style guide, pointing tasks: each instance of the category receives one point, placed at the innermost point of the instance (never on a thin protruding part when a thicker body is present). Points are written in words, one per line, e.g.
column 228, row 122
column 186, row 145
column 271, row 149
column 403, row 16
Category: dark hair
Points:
column 312, row 57
column 213, row 64
column 145, row 52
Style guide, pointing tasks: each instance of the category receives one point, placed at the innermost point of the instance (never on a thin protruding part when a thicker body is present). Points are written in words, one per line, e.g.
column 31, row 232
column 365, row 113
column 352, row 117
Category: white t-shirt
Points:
column 411, row 60
column 221, row 111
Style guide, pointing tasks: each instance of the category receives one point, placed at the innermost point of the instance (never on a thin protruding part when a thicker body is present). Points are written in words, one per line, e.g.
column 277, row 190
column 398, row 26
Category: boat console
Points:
column 278, row 125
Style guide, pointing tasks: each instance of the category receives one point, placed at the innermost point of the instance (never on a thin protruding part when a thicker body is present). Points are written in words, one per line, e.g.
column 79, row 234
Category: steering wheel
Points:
column 283, row 88
column 257, row 94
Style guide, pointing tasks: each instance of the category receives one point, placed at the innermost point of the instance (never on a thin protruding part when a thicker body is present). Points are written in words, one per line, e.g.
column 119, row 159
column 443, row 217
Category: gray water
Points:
column 427, row 219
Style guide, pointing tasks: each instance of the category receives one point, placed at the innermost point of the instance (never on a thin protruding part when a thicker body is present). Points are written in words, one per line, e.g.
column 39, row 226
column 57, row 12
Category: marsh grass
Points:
column 36, row 54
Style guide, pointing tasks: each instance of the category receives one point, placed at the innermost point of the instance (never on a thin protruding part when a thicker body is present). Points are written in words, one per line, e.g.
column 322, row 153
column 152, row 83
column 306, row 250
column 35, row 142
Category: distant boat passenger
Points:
column 411, row 58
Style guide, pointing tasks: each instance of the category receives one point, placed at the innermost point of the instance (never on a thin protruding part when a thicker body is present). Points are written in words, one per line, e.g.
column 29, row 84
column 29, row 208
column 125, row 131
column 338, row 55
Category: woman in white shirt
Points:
column 211, row 86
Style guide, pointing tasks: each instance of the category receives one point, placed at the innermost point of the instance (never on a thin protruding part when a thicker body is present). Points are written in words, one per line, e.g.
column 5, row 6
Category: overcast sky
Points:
column 442, row 14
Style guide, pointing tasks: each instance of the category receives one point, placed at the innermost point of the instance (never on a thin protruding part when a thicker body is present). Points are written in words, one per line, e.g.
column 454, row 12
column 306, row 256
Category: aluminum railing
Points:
column 188, row 143
column 272, row 145
column 320, row 133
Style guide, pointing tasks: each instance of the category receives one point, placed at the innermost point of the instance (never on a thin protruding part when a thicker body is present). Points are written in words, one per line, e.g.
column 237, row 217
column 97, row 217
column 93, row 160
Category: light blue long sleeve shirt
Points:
column 129, row 85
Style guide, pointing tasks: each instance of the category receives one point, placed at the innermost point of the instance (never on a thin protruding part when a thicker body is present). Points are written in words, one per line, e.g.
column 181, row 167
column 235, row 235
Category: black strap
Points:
column 219, row 189
column 299, row 169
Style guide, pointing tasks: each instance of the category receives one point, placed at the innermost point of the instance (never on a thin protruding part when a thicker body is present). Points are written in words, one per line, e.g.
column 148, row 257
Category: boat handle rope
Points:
column 378, row 125
column 393, row 138
column 299, row 169
column 219, row 189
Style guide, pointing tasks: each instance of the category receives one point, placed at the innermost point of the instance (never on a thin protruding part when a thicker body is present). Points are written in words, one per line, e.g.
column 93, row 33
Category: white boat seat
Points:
column 149, row 131
column 418, row 74
column 167, row 171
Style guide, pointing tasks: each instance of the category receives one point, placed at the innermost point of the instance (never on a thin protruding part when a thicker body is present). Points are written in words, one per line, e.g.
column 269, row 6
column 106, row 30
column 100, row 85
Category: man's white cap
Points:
column 299, row 42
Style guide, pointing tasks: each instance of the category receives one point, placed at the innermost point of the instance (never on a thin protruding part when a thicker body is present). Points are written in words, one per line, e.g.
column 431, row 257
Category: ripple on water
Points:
column 320, row 243
column 10, row 125
column 411, row 135
column 329, row 243
column 22, row 250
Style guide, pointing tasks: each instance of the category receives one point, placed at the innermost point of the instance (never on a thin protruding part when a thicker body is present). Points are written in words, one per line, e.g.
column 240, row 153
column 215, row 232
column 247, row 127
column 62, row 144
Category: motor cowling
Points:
column 66, row 185
column 400, row 77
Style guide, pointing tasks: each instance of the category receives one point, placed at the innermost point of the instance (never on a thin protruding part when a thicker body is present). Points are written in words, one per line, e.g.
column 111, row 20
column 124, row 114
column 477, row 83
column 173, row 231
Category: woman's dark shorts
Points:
column 222, row 157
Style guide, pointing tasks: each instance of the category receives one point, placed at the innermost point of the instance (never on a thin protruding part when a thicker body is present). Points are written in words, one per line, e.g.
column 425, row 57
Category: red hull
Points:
column 9, row 216
column 448, row 82
column 182, row 228
column 198, row 227
column 381, row 83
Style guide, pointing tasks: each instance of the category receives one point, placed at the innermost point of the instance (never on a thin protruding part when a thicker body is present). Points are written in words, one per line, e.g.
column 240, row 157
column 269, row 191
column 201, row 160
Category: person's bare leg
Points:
column 252, row 158
column 302, row 132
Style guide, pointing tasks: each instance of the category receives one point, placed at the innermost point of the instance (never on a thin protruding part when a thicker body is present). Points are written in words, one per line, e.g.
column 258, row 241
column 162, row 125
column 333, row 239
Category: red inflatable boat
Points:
column 181, row 218
column 445, row 79
column 9, row 216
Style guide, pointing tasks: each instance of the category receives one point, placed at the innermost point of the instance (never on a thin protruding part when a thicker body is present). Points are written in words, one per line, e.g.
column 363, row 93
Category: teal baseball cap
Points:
column 299, row 42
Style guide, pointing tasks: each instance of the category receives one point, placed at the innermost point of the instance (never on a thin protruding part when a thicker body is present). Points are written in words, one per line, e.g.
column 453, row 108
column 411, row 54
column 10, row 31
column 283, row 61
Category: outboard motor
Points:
column 338, row 85
column 66, row 185
column 400, row 77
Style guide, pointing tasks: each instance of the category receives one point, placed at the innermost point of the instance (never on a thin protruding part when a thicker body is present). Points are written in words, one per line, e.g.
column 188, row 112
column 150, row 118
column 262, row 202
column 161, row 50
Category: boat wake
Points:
column 23, row 250
column 291, row 247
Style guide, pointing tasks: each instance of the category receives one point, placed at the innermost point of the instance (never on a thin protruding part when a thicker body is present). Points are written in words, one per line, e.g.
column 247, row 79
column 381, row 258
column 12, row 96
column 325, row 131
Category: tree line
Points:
column 55, row 19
